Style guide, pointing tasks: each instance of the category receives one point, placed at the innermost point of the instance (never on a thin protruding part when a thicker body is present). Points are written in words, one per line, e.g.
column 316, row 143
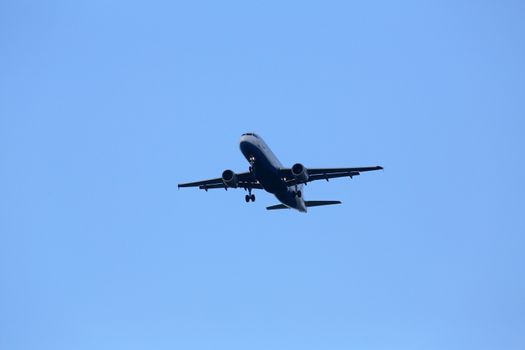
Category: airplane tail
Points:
column 307, row 203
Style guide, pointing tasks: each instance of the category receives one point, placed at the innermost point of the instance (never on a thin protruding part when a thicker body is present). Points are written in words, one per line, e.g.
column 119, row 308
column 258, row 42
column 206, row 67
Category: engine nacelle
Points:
column 300, row 173
column 230, row 178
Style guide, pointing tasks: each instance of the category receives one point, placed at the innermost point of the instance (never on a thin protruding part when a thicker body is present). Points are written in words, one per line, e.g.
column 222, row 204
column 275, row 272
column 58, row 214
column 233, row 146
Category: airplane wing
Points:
column 325, row 173
column 245, row 180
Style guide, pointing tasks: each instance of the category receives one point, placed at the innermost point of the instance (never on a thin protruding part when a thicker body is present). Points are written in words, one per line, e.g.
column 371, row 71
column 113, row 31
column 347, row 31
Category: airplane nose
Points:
column 245, row 146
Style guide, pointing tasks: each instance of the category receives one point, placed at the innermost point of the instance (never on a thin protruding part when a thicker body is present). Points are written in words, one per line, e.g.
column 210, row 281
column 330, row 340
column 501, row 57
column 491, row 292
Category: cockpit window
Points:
column 250, row 134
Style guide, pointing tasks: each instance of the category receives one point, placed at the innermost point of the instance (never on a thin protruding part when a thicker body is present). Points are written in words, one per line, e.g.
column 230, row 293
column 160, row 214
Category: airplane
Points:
column 267, row 173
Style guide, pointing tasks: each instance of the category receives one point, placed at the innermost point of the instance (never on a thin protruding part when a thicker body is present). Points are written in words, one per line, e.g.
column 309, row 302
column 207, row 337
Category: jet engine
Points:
column 230, row 178
column 300, row 173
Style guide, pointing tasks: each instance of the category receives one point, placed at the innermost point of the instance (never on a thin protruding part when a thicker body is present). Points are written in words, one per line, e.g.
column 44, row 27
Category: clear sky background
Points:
column 106, row 106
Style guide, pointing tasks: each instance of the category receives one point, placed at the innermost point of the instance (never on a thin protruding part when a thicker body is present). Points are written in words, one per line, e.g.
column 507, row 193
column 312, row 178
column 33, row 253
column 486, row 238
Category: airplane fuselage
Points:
column 266, row 169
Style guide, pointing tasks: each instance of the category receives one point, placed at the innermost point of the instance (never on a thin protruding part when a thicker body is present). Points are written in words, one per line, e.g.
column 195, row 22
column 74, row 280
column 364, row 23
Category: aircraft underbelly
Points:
column 269, row 178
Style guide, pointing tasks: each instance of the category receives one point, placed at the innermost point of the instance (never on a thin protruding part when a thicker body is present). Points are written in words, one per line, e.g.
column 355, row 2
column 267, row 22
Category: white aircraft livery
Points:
column 267, row 173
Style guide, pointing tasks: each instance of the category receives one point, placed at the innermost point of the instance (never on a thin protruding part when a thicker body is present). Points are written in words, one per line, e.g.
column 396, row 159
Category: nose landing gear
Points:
column 252, row 164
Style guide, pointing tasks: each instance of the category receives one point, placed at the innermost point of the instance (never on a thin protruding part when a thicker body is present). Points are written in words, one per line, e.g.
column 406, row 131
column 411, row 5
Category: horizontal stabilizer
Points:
column 278, row 206
column 320, row 203
column 307, row 203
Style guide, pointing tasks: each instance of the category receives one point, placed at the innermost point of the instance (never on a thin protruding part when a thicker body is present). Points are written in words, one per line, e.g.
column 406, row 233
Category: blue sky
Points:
column 106, row 106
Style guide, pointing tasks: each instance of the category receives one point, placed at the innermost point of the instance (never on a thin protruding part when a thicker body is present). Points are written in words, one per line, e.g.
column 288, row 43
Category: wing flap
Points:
column 204, row 183
column 325, row 173
column 326, row 177
column 245, row 180
column 240, row 185
column 315, row 171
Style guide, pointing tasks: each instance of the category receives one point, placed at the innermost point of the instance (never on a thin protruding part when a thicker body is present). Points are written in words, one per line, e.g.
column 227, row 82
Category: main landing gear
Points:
column 297, row 194
column 249, row 197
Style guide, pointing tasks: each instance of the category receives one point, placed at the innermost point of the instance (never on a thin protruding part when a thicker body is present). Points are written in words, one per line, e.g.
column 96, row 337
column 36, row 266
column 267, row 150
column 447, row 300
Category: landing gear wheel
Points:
column 299, row 194
column 247, row 198
column 252, row 197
